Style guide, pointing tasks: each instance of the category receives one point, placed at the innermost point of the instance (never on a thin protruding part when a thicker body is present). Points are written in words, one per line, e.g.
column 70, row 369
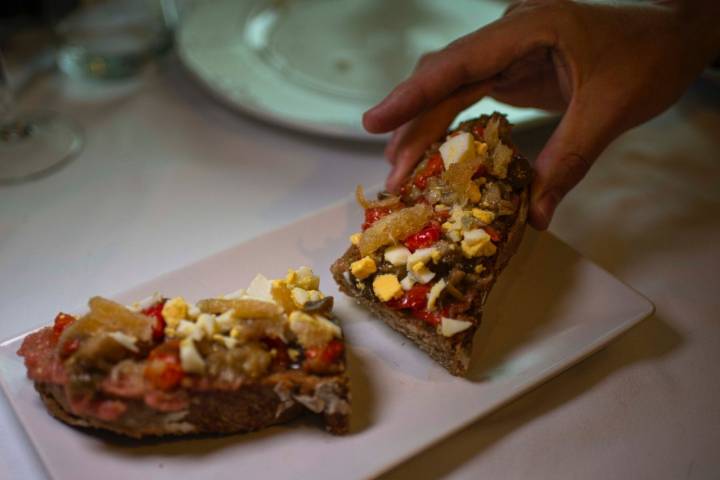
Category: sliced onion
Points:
column 394, row 228
column 390, row 201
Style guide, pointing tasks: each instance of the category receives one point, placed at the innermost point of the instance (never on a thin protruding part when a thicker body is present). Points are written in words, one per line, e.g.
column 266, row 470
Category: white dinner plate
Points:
column 317, row 65
column 550, row 309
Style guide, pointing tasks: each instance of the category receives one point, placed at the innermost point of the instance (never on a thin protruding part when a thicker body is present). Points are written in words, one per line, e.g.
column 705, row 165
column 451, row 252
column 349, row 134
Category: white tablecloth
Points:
column 168, row 176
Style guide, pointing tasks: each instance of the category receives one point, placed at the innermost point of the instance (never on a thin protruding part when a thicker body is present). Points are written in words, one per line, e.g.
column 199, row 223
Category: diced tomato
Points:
column 332, row 351
column 327, row 354
column 62, row 321
column 413, row 299
column 495, row 234
column 163, row 368
column 424, row 238
column 479, row 131
column 433, row 167
column 69, row 347
column 155, row 311
column 372, row 215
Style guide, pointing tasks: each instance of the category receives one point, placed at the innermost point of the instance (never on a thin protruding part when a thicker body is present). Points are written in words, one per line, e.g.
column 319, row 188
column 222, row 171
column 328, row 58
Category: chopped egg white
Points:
column 229, row 342
column 187, row 329
column 145, row 303
column 208, row 324
column 237, row 294
column 407, row 283
column 397, row 255
column 260, row 288
column 312, row 330
column 190, row 358
column 450, row 326
column 417, row 265
column 226, row 320
column 458, row 148
column 423, row 255
column 127, row 341
column 299, row 296
column 421, row 273
column 193, row 311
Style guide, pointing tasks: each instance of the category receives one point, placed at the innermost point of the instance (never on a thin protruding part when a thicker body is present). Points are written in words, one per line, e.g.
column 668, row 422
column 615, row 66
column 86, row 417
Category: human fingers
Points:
column 475, row 57
column 583, row 133
column 413, row 138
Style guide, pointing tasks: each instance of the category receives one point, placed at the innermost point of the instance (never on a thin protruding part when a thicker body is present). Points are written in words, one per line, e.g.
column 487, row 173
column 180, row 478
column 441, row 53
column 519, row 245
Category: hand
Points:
column 607, row 67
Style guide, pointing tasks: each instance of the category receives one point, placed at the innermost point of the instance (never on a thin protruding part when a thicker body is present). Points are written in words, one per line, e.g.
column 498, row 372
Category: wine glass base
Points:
column 37, row 145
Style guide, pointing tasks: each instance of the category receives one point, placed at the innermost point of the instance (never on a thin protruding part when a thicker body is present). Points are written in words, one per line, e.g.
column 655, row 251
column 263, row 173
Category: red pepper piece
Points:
column 163, row 368
column 155, row 311
column 69, row 347
column 62, row 321
column 424, row 238
column 433, row 167
column 327, row 354
column 413, row 299
column 495, row 234
column 332, row 351
column 372, row 215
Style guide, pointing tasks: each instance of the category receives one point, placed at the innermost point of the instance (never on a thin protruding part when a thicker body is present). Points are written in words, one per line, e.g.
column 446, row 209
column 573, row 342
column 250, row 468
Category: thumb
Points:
column 572, row 149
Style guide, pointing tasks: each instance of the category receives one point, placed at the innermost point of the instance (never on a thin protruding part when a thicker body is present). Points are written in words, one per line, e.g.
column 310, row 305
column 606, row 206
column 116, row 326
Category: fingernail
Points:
column 547, row 204
column 391, row 180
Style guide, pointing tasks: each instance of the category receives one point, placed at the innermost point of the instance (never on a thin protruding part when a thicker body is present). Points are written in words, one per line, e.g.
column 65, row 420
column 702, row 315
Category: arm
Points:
column 608, row 67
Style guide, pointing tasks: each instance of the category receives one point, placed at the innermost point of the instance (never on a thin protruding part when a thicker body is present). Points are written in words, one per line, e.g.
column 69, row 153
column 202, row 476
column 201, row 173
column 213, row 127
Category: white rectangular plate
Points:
column 550, row 309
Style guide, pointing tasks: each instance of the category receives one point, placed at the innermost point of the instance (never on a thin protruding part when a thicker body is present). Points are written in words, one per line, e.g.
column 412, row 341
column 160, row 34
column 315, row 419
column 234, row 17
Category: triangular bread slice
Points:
column 427, row 258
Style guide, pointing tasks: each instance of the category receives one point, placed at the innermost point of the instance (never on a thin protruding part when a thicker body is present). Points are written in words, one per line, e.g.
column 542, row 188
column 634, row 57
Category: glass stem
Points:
column 7, row 100
column 10, row 128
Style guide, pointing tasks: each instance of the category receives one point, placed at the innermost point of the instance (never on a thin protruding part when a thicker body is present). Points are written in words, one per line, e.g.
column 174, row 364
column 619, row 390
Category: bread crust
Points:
column 453, row 353
column 251, row 407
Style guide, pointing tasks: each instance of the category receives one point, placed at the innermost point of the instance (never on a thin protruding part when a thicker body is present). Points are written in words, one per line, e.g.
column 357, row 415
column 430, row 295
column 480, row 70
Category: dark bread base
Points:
column 452, row 353
column 246, row 409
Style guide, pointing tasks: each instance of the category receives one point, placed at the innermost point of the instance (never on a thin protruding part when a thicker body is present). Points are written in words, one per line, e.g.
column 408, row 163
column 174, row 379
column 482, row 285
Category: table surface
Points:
column 164, row 166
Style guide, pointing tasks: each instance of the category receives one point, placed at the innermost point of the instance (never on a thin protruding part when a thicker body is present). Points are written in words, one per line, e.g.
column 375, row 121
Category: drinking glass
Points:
column 113, row 39
column 35, row 143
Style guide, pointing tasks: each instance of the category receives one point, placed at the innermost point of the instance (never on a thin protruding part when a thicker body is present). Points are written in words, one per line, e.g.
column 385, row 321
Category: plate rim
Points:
column 580, row 352
column 240, row 103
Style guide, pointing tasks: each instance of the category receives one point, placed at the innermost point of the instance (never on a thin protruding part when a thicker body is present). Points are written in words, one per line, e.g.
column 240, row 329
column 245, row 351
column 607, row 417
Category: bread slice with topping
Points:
column 426, row 259
column 234, row 363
